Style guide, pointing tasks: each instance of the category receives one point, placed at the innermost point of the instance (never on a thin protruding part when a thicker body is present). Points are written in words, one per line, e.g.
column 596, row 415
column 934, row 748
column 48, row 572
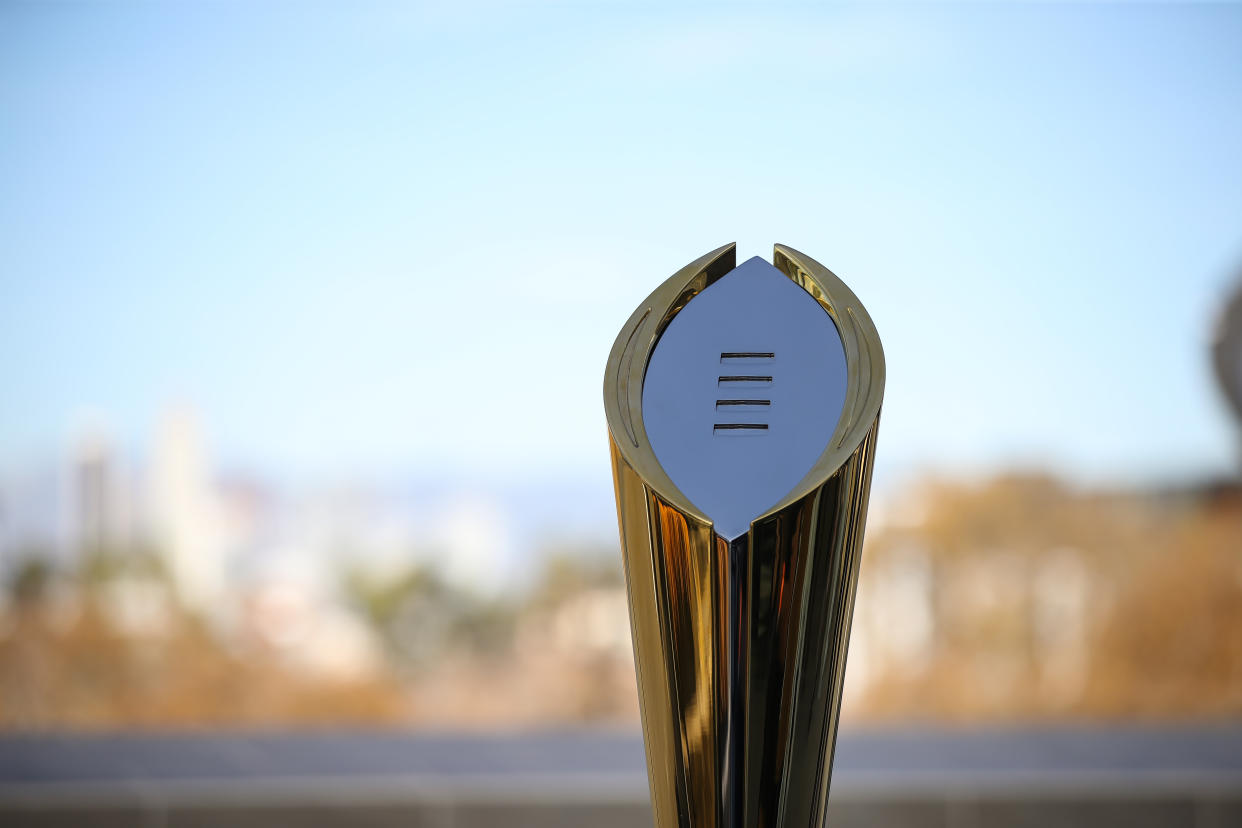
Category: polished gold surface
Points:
column 740, row 646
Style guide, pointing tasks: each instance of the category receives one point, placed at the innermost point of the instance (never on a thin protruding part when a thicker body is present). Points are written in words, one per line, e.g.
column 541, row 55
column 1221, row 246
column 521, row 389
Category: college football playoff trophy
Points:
column 742, row 406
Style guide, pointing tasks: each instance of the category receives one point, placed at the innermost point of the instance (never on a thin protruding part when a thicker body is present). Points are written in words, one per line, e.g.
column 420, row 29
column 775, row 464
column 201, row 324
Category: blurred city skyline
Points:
column 396, row 244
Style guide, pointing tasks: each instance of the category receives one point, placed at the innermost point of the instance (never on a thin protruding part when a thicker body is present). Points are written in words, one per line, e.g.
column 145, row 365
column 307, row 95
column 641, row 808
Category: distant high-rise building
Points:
column 184, row 518
column 98, row 502
column 472, row 542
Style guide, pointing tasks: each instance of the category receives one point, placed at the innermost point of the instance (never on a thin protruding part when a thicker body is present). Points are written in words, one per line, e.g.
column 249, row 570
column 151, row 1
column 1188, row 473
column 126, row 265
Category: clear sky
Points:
column 400, row 239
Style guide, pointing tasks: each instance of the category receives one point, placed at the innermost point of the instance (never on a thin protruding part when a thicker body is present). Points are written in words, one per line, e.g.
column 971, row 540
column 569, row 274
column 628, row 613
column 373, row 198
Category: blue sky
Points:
column 400, row 239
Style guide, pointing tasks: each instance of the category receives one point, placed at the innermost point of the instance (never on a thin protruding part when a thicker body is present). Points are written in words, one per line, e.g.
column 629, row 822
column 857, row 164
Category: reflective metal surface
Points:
column 740, row 646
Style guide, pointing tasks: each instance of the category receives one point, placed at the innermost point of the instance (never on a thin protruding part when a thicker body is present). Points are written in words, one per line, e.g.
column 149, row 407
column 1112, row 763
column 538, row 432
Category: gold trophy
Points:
column 742, row 405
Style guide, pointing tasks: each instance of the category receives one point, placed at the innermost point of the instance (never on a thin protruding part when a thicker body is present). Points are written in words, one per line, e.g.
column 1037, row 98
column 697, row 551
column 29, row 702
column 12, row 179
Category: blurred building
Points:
column 185, row 518
column 470, row 541
column 100, row 500
column 1022, row 597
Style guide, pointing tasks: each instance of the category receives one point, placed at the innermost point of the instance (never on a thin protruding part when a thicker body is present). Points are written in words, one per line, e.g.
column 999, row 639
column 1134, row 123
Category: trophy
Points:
column 742, row 406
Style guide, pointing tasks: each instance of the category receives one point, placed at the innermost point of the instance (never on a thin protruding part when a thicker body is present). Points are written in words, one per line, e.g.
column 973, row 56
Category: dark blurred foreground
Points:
column 1189, row 776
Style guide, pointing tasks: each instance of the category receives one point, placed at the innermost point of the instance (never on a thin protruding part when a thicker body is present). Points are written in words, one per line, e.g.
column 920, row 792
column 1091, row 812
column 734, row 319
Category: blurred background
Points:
column 305, row 505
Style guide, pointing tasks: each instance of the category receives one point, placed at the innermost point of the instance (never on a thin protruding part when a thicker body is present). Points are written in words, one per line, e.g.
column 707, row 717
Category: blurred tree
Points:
column 421, row 617
column 30, row 579
column 569, row 571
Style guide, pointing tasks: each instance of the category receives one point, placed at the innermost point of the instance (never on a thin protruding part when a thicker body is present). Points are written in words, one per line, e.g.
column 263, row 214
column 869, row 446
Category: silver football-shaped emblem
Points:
column 743, row 392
